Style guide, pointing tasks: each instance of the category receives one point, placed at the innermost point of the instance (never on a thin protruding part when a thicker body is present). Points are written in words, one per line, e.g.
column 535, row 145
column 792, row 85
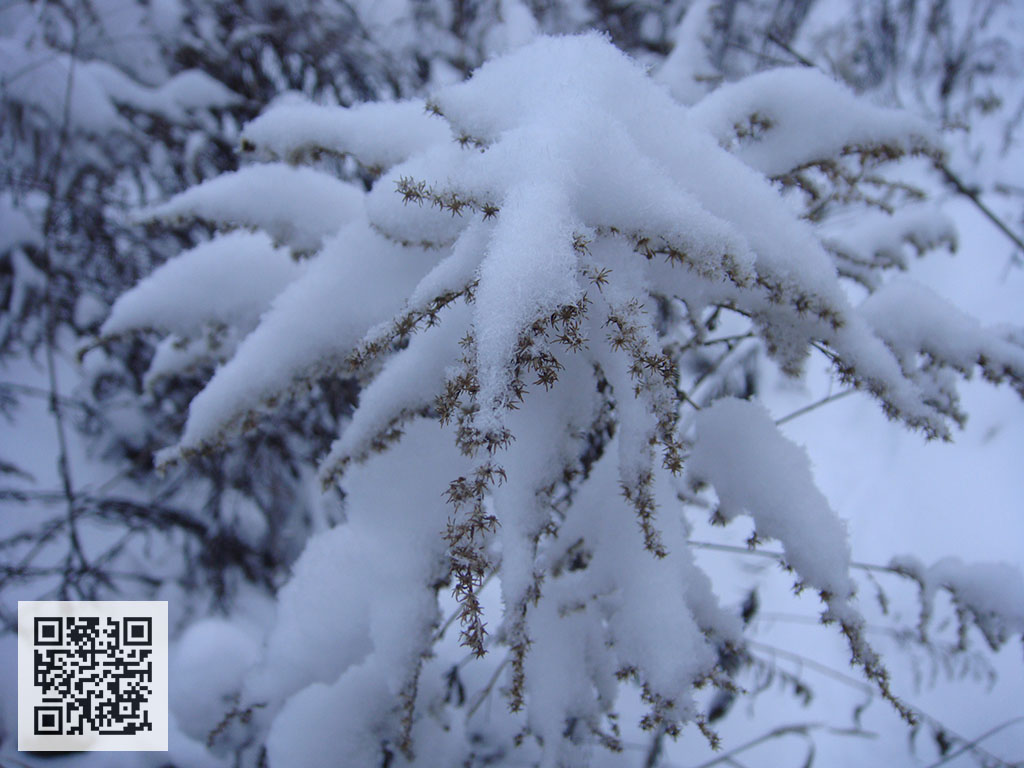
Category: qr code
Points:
column 92, row 675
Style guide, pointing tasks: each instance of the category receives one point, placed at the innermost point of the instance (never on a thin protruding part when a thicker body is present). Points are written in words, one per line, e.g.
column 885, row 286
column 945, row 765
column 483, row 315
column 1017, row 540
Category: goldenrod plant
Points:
column 549, row 291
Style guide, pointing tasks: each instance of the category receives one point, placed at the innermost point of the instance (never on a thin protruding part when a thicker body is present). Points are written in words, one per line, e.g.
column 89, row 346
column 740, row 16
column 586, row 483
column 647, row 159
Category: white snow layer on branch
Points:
column 991, row 593
column 369, row 636
column 687, row 71
column 298, row 207
column 358, row 280
column 553, row 160
column 651, row 613
column 40, row 78
column 776, row 108
column 202, row 285
column 183, row 93
column 913, row 320
column 405, row 385
column 529, row 271
column 756, row 471
column 877, row 240
column 44, row 79
column 599, row 151
column 378, row 135
column 17, row 226
column 547, row 442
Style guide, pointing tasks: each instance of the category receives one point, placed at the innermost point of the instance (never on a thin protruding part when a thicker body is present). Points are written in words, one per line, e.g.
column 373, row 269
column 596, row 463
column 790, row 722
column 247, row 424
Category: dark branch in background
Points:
column 798, row 729
column 49, row 237
column 65, row 401
column 816, row 404
column 778, row 556
column 789, row 49
column 87, row 246
column 972, row 195
column 973, row 744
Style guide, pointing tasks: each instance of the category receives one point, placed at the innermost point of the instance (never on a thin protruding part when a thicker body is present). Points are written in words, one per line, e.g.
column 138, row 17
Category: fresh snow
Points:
column 756, row 471
column 299, row 207
column 379, row 135
column 201, row 286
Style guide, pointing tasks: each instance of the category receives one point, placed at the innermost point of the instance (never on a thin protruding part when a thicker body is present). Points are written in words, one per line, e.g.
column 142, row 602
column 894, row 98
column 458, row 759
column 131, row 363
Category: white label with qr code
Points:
column 92, row 676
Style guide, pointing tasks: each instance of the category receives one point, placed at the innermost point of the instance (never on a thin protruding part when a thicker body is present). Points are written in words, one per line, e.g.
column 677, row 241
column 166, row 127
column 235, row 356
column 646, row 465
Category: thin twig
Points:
column 812, row 406
column 728, row 339
column 486, row 690
column 788, row 49
column 974, row 743
column 760, row 54
column 655, row 748
column 782, row 557
column 824, row 669
column 972, row 195
column 42, row 392
column 799, row 729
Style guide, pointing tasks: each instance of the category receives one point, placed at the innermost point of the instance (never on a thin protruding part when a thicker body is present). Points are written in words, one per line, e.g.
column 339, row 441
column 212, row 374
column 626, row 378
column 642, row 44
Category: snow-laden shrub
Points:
column 548, row 297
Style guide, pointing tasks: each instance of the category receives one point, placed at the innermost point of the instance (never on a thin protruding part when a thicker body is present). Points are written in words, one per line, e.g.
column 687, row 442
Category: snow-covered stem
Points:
column 950, row 176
